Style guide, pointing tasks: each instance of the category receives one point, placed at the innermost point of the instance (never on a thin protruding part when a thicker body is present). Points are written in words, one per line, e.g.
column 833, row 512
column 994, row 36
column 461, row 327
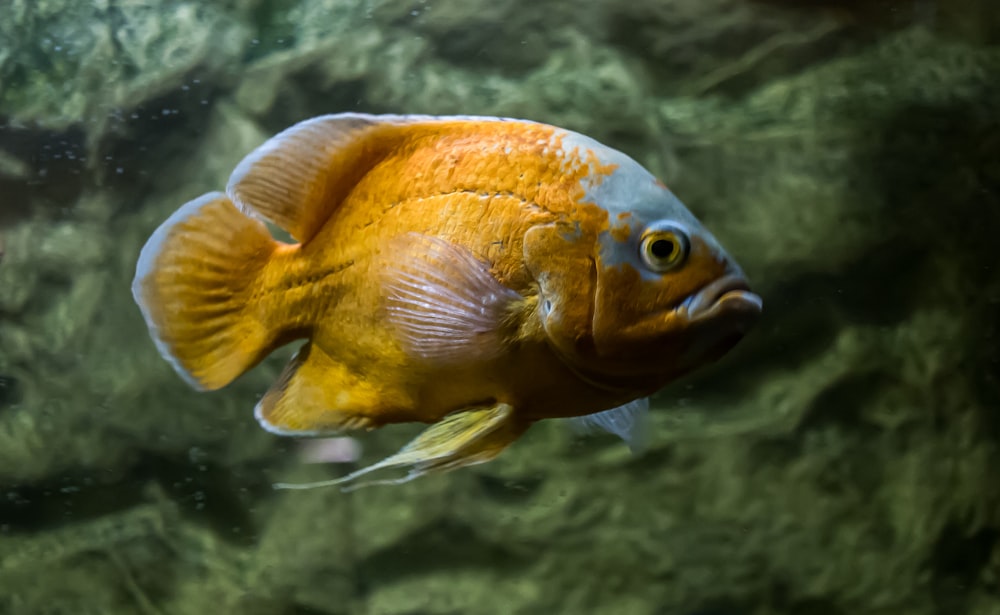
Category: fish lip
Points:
column 731, row 292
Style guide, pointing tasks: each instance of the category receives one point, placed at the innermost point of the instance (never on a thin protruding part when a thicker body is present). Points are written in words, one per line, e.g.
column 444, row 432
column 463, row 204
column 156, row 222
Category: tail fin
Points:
column 194, row 283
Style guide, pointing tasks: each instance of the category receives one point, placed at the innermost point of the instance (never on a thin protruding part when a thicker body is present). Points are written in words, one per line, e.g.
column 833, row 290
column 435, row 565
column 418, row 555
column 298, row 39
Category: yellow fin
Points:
column 314, row 395
column 299, row 177
column 460, row 439
column 194, row 283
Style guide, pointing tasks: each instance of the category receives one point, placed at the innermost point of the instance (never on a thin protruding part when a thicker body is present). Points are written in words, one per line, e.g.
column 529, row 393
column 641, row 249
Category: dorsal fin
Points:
column 298, row 177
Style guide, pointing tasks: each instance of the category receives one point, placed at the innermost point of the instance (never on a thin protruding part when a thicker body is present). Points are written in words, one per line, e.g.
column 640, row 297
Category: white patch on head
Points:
column 631, row 195
column 630, row 188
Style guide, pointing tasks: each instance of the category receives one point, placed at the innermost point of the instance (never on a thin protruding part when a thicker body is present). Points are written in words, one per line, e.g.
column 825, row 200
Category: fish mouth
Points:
column 730, row 294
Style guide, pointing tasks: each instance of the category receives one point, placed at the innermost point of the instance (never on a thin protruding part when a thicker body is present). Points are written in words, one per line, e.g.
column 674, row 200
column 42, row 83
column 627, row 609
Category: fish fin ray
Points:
column 459, row 440
column 630, row 422
column 443, row 301
column 298, row 178
column 192, row 283
column 313, row 396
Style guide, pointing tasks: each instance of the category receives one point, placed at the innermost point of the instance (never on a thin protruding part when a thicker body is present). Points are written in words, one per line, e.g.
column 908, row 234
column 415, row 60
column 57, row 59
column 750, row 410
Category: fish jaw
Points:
column 729, row 294
column 719, row 315
column 646, row 352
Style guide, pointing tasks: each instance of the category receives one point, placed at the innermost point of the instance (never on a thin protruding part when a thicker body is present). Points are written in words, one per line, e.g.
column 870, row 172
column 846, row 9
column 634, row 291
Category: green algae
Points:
column 840, row 461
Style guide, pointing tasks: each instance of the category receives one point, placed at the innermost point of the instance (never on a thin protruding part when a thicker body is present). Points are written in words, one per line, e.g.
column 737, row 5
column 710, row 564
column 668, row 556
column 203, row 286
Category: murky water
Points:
column 842, row 459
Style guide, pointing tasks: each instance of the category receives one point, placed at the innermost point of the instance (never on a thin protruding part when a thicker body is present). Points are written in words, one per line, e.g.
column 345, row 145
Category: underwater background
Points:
column 843, row 460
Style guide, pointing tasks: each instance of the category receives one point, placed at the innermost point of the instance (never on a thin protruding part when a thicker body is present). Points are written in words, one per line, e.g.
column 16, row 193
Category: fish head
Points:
column 667, row 298
column 638, row 291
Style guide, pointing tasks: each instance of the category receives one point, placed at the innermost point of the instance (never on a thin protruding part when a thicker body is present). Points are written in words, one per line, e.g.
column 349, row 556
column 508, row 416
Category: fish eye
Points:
column 664, row 247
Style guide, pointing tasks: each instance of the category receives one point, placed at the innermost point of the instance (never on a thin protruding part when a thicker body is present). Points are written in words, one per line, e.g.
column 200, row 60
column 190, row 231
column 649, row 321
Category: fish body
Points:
column 477, row 274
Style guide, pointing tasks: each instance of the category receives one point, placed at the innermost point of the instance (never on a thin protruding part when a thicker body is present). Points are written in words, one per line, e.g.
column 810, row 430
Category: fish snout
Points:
column 718, row 316
column 728, row 295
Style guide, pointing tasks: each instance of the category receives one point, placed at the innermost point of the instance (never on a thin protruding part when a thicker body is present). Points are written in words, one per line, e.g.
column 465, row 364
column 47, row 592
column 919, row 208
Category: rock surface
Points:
column 841, row 461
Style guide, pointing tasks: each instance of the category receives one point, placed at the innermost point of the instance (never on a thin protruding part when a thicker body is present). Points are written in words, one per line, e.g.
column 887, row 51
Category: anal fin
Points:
column 315, row 395
column 461, row 439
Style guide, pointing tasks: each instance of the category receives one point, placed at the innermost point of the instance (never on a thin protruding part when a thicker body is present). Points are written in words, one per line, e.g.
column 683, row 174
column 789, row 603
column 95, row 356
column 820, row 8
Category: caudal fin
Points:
column 195, row 282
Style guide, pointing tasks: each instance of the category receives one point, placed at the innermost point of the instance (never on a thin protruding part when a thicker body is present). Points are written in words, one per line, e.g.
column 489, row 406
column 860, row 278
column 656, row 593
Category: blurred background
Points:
column 843, row 460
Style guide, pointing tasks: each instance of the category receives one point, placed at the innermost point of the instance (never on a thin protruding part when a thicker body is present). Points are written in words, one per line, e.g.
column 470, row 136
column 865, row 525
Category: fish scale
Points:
column 475, row 274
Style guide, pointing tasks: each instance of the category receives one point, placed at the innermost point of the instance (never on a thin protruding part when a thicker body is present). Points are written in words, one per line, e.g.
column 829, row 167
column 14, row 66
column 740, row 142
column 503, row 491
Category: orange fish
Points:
column 477, row 274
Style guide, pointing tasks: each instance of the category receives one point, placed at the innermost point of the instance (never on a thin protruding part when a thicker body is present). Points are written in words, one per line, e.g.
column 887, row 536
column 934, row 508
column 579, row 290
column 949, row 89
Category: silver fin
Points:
column 630, row 422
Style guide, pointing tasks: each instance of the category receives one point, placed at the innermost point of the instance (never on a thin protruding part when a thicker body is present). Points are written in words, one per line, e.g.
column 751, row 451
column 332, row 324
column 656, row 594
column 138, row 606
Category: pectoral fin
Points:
column 443, row 301
column 630, row 422
column 461, row 439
